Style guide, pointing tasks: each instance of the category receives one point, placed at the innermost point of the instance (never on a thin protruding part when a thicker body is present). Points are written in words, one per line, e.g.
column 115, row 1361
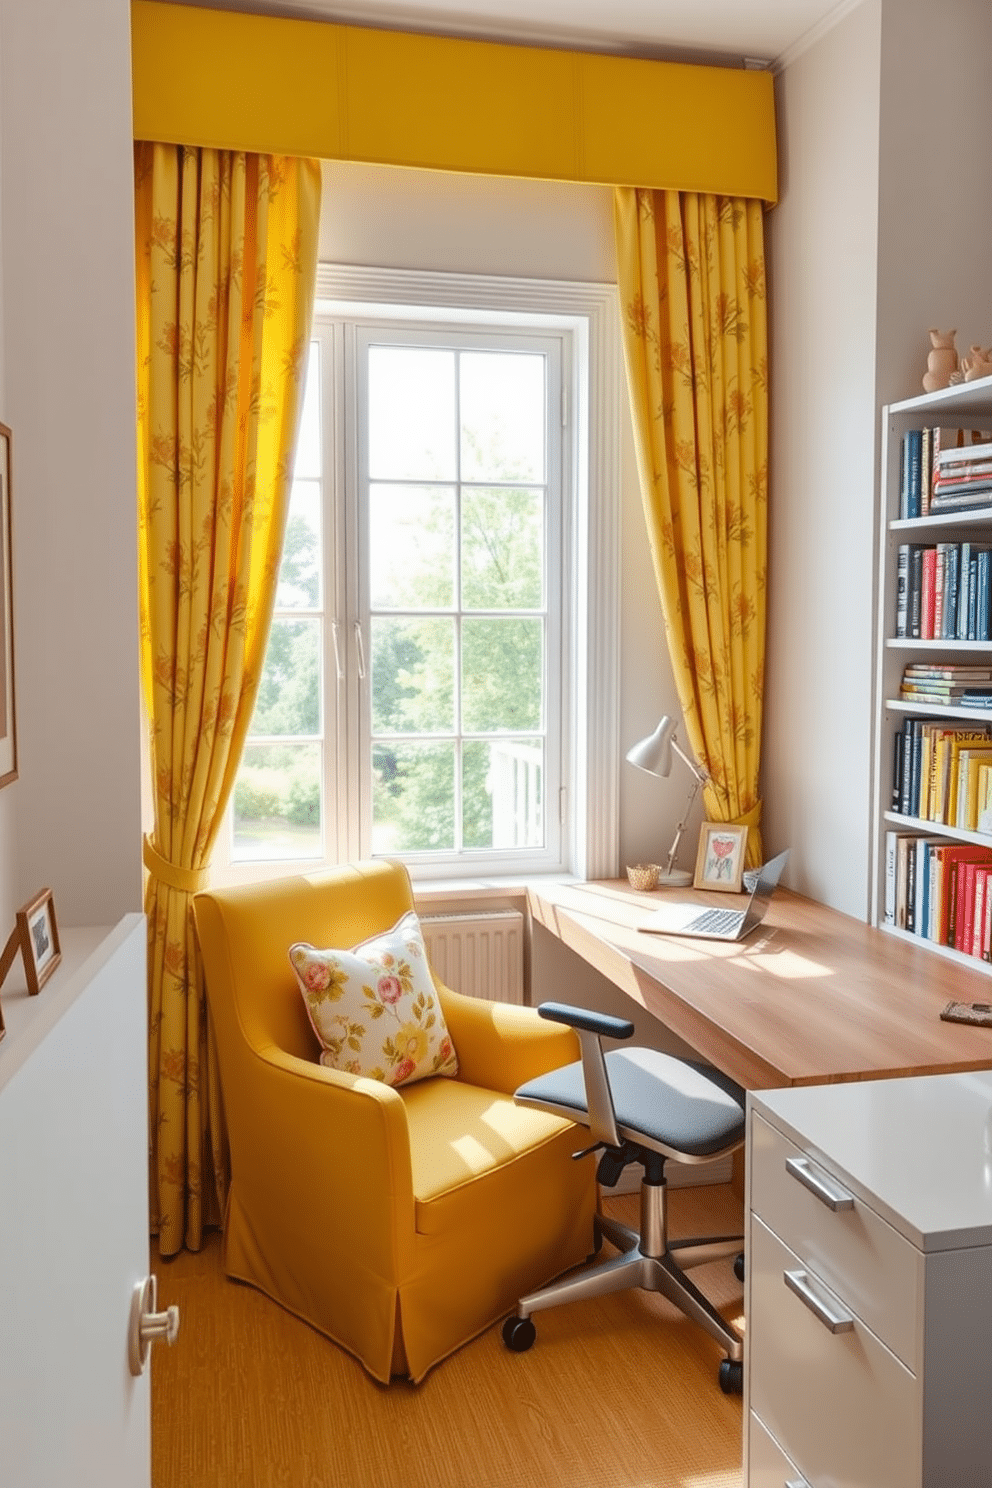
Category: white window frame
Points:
column 589, row 802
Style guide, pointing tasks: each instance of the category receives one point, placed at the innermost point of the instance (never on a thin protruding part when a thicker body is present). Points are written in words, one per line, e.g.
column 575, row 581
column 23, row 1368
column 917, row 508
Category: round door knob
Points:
column 146, row 1324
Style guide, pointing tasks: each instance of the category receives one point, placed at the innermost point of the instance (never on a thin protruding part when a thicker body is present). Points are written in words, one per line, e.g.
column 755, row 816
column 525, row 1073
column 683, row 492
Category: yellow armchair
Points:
column 399, row 1222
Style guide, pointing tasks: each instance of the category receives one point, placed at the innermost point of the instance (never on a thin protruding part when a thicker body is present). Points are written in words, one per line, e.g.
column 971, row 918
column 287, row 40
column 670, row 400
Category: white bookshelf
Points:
column 966, row 406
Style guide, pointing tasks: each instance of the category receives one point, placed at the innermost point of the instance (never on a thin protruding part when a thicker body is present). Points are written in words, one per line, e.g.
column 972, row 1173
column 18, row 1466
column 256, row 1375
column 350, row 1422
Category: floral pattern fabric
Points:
column 225, row 256
column 691, row 271
column 374, row 1008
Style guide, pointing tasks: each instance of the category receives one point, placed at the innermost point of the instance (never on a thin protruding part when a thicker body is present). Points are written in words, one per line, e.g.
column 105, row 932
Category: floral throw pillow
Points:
column 375, row 1008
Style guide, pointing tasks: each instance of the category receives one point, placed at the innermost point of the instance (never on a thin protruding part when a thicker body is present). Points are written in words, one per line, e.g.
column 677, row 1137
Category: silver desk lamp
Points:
column 654, row 754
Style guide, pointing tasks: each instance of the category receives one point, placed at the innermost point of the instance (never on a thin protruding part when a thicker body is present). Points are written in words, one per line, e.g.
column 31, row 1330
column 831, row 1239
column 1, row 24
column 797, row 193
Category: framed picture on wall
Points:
column 8, row 736
column 720, row 860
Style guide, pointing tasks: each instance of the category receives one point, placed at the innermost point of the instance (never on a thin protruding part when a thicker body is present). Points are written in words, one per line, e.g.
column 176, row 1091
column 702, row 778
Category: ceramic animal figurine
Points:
column 977, row 363
column 941, row 361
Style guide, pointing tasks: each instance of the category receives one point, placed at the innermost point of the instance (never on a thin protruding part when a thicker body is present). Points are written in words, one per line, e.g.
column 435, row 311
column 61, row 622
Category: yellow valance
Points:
column 291, row 87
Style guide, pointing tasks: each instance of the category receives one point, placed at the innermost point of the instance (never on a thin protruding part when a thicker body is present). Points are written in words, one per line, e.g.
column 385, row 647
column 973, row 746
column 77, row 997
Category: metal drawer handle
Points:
column 796, row 1483
column 836, row 1320
column 826, row 1189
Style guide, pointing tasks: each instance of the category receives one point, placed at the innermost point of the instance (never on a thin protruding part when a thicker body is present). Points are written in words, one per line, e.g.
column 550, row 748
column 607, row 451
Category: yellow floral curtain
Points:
column 692, row 287
column 226, row 254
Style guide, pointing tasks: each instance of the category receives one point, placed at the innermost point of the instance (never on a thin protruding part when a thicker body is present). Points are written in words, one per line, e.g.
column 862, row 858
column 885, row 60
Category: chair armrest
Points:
column 332, row 1149
column 501, row 1045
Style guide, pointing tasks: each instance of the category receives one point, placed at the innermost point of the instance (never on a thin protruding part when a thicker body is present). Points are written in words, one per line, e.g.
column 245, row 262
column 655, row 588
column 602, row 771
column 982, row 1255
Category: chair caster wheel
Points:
column 518, row 1334
column 739, row 1266
column 731, row 1377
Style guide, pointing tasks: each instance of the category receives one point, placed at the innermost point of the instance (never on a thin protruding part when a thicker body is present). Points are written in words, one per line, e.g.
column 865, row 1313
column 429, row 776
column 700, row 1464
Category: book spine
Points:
column 953, row 561
column 962, row 558
column 978, row 922
column 971, row 621
column 914, row 775
column 941, row 590
column 914, row 439
column 951, row 895
column 982, row 596
column 966, row 902
column 911, row 887
column 902, row 860
column 987, row 929
column 897, row 757
column 926, row 469
column 915, row 590
column 928, row 593
column 890, row 877
column 922, row 886
column 902, row 590
column 906, row 776
column 962, row 454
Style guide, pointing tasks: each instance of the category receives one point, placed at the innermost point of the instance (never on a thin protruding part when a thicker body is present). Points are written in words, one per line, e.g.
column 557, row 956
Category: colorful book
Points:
column 928, row 593
column 978, row 924
column 966, row 806
column 984, row 823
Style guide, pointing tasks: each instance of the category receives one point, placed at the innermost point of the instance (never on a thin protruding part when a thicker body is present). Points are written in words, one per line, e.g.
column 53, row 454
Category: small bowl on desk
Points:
column 643, row 876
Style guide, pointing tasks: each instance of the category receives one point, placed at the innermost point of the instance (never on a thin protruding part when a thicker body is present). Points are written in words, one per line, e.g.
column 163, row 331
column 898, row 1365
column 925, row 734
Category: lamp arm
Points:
column 697, row 782
column 702, row 776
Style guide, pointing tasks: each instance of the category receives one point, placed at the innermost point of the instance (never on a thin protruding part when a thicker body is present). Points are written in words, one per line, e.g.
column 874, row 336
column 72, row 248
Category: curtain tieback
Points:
column 750, row 818
column 186, row 880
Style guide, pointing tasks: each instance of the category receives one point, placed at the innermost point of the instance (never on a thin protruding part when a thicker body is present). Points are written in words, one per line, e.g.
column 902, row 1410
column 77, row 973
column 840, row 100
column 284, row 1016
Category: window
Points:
column 425, row 688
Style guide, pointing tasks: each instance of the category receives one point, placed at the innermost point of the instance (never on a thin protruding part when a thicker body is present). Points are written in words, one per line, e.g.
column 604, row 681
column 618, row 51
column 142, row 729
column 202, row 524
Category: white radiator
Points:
column 480, row 954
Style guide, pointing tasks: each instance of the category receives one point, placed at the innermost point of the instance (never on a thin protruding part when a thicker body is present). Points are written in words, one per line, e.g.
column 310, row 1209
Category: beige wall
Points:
column 821, row 248
column 882, row 230
column 71, row 821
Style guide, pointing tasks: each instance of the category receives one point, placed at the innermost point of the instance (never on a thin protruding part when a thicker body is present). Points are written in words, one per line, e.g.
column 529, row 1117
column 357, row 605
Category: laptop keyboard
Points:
column 717, row 921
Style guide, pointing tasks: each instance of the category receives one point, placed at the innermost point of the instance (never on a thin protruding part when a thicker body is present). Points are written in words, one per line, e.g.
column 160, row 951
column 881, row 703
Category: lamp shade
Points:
column 654, row 753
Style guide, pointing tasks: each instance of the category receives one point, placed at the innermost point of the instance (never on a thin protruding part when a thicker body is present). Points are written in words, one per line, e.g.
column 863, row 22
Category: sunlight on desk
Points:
column 786, row 964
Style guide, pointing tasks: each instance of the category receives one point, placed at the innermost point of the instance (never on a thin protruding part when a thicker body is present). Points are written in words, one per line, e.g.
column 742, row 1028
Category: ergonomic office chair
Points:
column 640, row 1106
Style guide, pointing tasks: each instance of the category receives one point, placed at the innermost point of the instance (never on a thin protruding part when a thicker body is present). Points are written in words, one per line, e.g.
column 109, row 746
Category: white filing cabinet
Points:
column 868, row 1349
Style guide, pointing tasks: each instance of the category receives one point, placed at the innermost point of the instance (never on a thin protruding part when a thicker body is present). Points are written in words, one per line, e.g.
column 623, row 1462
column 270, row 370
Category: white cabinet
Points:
column 869, row 1284
column 74, row 1216
column 967, row 407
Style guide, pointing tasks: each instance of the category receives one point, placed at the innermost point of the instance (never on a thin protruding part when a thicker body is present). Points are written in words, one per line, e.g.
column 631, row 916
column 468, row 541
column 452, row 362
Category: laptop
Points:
column 683, row 918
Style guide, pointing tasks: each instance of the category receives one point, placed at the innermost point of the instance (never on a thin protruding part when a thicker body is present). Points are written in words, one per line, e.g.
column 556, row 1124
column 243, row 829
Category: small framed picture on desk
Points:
column 720, row 860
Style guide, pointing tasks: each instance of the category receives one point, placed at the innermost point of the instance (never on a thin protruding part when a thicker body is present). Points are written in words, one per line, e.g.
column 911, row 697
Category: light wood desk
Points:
column 810, row 997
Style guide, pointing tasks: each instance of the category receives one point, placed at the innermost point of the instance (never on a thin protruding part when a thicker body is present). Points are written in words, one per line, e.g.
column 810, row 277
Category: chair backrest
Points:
column 245, row 934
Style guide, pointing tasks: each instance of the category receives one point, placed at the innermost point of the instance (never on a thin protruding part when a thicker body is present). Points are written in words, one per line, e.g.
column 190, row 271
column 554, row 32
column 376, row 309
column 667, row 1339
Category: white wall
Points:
column 72, row 819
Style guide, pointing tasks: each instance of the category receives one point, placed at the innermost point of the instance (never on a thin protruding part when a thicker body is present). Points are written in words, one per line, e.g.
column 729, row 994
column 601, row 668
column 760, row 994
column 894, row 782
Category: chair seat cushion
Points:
column 460, row 1136
column 673, row 1105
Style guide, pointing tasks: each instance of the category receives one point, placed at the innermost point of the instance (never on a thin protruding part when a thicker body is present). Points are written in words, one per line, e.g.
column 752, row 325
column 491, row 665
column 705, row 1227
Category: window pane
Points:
column 411, row 413
column 502, row 549
column 413, row 797
column 300, row 569
column 289, row 694
column 503, row 793
column 502, row 414
column 277, row 811
column 412, row 547
column 308, row 439
column 502, row 672
column 413, row 676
